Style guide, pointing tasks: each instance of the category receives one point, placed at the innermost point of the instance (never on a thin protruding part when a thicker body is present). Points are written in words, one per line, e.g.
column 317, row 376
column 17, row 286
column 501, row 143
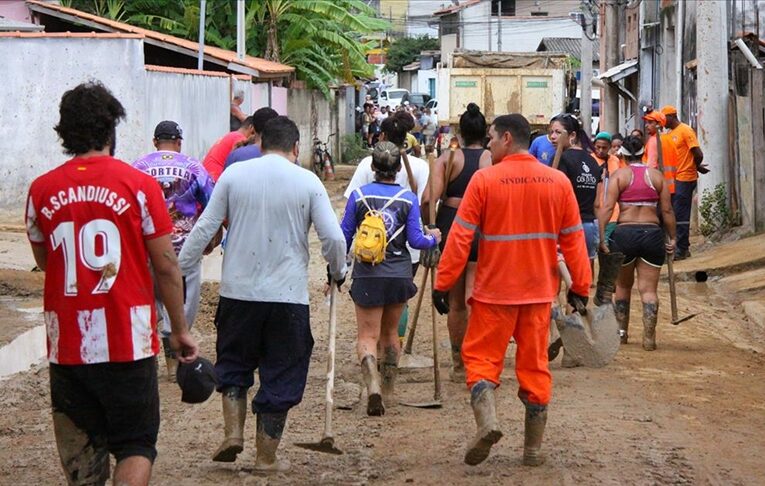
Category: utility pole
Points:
column 609, row 116
column 240, row 48
column 201, row 53
column 585, row 99
column 712, row 91
column 499, row 28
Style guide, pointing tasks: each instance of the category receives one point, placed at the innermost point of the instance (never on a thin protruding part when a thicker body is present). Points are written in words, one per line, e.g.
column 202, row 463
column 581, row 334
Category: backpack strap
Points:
column 390, row 201
column 363, row 199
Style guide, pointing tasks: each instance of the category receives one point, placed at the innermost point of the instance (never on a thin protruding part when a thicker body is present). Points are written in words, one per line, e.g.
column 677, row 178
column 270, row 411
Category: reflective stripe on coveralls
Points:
column 522, row 211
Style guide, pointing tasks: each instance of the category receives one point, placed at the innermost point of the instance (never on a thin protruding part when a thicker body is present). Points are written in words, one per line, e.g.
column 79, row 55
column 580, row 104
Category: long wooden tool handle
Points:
column 670, row 263
column 408, row 168
column 432, row 214
column 672, row 291
column 436, row 370
column 416, row 313
column 331, row 361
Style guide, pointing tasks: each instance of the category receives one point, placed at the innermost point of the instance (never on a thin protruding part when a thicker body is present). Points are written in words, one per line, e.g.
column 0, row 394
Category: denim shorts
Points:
column 591, row 237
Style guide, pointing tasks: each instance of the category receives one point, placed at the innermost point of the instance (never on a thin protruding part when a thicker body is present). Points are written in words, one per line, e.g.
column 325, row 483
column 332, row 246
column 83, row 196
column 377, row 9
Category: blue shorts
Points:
column 591, row 237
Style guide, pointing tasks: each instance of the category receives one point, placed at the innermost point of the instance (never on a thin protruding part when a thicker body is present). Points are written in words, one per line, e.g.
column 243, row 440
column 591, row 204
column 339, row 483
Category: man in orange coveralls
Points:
column 522, row 209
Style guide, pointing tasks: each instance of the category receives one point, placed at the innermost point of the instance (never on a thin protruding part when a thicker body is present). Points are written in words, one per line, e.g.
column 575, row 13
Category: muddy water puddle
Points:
column 28, row 348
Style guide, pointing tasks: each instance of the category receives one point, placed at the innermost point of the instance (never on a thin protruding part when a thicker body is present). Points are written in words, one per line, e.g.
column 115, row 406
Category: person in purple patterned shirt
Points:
column 187, row 188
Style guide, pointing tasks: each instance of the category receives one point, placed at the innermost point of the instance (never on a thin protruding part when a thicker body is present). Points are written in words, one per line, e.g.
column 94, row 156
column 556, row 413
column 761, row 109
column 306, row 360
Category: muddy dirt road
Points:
column 691, row 412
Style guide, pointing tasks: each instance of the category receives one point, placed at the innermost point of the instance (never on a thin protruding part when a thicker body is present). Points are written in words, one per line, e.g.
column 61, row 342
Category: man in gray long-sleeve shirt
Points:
column 262, row 318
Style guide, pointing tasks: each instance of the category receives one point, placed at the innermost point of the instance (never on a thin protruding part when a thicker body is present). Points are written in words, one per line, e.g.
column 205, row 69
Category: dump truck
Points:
column 535, row 84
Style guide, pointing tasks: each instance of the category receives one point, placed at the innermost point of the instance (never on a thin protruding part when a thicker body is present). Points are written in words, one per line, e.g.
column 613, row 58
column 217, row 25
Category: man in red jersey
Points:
column 94, row 224
column 215, row 160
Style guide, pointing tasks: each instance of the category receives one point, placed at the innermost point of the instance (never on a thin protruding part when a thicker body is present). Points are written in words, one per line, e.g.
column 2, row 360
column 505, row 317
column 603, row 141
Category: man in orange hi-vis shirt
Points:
column 522, row 210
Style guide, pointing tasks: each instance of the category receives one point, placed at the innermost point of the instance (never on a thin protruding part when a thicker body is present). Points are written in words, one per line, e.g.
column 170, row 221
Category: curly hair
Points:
column 89, row 116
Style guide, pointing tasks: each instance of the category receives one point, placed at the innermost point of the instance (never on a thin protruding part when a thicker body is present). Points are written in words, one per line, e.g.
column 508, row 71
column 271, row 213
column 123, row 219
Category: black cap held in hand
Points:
column 197, row 380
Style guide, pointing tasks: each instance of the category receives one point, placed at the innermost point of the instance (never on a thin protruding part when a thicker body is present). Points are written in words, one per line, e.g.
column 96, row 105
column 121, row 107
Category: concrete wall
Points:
column 423, row 81
column 168, row 96
column 36, row 73
column 314, row 117
column 554, row 8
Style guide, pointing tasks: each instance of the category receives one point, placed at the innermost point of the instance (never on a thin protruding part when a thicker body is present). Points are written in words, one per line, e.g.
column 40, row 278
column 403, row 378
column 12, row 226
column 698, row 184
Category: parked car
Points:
column 417, row 99
column 392, row 97
column 432, row 104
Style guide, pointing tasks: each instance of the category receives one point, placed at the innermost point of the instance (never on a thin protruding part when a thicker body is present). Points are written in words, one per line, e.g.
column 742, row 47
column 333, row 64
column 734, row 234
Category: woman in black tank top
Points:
column 465, row 163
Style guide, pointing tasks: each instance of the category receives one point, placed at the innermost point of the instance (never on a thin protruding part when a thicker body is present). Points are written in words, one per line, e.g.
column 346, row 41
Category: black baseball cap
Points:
column 197, row 380
column 168, row 130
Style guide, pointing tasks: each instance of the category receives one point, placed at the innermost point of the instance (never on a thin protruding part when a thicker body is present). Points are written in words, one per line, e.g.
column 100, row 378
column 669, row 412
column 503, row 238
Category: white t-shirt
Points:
column 365, row 175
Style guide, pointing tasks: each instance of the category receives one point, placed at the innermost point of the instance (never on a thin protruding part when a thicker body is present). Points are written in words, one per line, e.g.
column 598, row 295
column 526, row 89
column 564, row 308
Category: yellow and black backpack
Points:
column 371, row 236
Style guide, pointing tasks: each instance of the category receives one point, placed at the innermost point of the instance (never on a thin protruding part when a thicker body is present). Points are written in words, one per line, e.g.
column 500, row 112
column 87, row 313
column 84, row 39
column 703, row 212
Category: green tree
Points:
column 407, row 50
column 322, row 39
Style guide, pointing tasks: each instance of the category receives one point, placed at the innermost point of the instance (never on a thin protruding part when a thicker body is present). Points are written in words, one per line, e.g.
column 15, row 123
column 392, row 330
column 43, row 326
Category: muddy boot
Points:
column 609, row 264
column 269, row 434
column 457, row 373
column 234, row 414
column 371, row 379
column 650, row 314
column 170, row 360
column 622, row 311
column 484, row 407
column 536, row 419
column 389, row 374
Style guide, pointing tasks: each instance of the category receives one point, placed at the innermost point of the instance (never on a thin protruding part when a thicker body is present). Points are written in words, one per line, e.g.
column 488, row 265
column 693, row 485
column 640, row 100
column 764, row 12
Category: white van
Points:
column 391, row 97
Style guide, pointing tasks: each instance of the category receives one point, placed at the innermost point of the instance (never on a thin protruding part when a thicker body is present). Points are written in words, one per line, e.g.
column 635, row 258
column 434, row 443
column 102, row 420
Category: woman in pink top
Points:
column 639, row 190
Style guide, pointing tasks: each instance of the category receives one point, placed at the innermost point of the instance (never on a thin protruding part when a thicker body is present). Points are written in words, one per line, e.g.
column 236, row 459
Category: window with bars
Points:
column 504, row 8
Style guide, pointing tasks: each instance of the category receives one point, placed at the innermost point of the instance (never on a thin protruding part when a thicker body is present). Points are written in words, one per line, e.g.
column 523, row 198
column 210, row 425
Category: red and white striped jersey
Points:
column 93, row 216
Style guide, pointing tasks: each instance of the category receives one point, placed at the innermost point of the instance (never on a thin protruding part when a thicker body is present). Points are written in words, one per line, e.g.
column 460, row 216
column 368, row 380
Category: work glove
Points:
column 578, row 302
column 441, row 301
column 339, row 282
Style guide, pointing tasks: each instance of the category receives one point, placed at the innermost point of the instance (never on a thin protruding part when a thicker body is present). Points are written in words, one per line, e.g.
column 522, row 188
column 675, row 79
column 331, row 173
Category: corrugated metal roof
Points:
column 10, row 25
column 568, row 45
column 253, row 65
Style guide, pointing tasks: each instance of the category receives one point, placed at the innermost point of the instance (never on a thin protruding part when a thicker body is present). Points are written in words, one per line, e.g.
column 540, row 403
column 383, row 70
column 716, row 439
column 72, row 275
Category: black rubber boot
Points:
column 389, row 372
column 609, row 266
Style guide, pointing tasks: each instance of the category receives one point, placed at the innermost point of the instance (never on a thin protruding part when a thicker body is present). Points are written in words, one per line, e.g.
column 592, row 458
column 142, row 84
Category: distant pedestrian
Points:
column 262, row 319
column 583, row 171
column 251, row 150
column 642, row 195
column 608, row 164
column 95, row 224
column 237, row 115
column 690, row 163
column 187, row 188
column 465, row 164
column 214, row 161
column 542, row 148
column 616, row 143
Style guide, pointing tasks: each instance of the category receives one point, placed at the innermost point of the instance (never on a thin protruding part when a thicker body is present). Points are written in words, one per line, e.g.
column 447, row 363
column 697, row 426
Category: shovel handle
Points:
column 672, row 291
column 416, row 313
column 436, row 370
column 331, row 361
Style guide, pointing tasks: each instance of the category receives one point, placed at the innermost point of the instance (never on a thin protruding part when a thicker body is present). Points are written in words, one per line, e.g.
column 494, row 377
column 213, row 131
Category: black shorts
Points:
column 272, row 337
column 116, row 405
column 378, row 292
column 444, row 221
column 644, row 241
